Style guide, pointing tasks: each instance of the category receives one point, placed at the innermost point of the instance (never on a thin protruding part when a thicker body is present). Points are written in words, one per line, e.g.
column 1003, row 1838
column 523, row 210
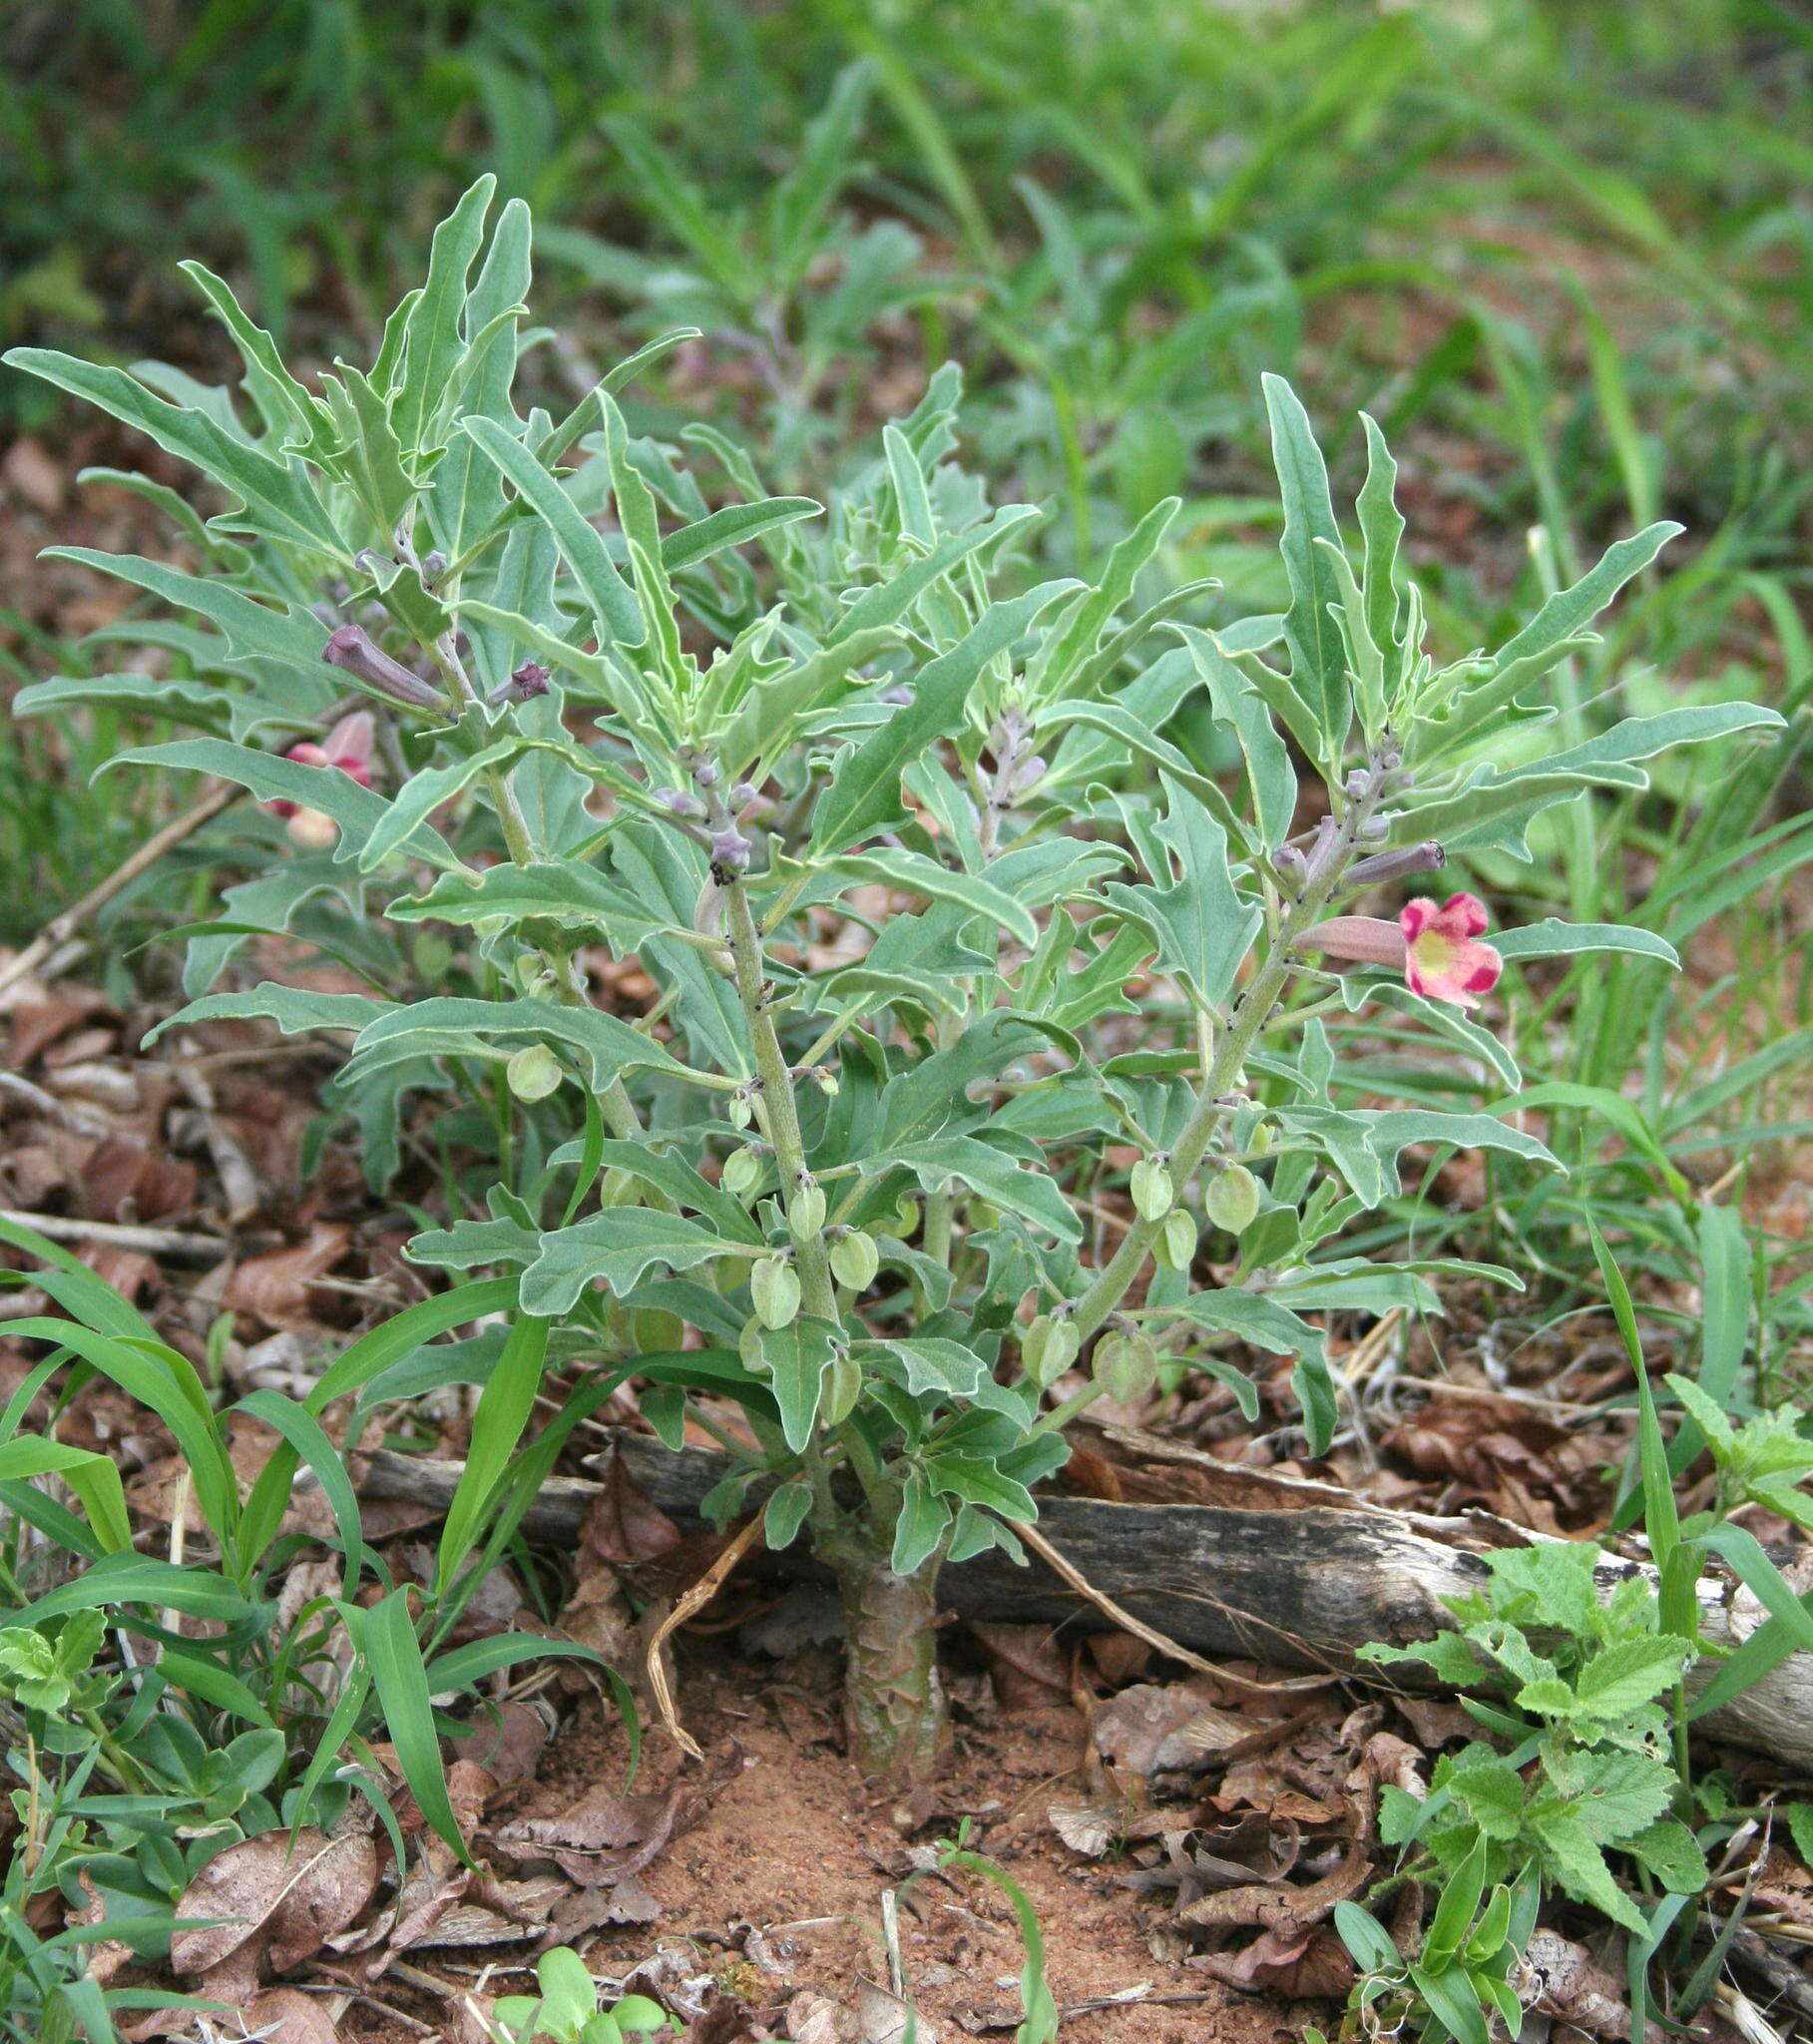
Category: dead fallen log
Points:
column 1295, row 1587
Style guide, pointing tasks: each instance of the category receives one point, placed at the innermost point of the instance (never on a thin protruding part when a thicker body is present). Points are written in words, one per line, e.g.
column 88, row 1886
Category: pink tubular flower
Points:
column 347, row 746
column 1437, row 948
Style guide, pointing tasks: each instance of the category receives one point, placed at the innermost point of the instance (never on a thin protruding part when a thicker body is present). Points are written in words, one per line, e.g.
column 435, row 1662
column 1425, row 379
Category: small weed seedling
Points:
column 567, row 2009
column 891, row 829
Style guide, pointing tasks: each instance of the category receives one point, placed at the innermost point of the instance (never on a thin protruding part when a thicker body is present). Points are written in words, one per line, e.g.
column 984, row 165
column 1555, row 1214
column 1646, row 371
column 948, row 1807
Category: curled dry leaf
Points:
column 1561, row 1979
column 1156, row 1728
column 622, row 1527
column 1027, row 1668
column 275, row 1287
column 1087, row 1828
column 1301, row 1966
column 285, row 2015
column 1274, row 1905
column 281, row 1898
column 605, row 1838
column 505, row 1740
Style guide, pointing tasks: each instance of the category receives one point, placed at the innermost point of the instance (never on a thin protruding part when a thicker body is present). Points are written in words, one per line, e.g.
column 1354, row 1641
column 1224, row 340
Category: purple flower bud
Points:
column 679, row 802
column 730, row 850
column 706, row 773
column 1290, row 864
column 434, row 566
column 531, row 678
column 899, row 694
column 743, row 794
column 351, row 647
column 1427, row 857
column 1358, row 784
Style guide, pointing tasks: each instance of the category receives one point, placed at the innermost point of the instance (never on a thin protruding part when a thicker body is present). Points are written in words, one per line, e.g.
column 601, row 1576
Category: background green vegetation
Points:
column 1559, row 251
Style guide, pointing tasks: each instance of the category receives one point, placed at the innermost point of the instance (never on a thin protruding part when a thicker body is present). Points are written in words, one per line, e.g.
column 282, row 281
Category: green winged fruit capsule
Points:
column 1127, row 1366
column 1175, row 1246
column 1233, row 1198
column 1049, row 1348
column 533, row 1073
column 855, row 1259
column 742, row 1173
column 843, row 1388
column 774, row 1287
column 806, row 1212
column 1152, row 1188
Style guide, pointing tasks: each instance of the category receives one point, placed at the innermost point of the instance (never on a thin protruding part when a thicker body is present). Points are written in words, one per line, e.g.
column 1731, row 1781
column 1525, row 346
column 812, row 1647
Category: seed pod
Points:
column 741, row 1111
column 774, row 1287
column 1152, row 1188
column 742, row 1173
column 1049, row 1348
column 1233, row 1198
column 855, row 1259
column 1176, row 1247
column 842, row 1387
column 533, row 1073
column 1260, row 1143
column 1127, row 1366
column 805, row 1210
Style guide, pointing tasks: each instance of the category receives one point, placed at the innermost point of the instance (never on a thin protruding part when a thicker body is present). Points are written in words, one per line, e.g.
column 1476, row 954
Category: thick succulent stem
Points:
column 897, row 1715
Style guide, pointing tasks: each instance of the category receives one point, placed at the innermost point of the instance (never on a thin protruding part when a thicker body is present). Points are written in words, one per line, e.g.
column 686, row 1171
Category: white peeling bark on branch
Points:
column 1298, row 1588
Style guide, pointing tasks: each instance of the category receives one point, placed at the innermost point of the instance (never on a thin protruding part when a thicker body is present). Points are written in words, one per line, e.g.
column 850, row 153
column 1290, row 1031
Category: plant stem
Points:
column 774, row 1100
column 1252, row 1013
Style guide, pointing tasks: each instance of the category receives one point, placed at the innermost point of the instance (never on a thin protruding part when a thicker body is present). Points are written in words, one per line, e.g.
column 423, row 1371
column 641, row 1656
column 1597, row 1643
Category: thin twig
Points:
column 60, row 928
column 164, row 1242
column 695, row 1599
column 1166, row 1646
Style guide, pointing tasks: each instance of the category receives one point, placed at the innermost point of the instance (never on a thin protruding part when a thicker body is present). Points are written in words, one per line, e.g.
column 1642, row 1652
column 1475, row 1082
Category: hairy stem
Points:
column 1252, row 1013
column 775, row 1103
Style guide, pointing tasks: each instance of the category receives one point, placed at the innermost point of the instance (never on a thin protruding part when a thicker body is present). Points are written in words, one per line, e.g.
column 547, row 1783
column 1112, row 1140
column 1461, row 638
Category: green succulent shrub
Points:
column 892, row 828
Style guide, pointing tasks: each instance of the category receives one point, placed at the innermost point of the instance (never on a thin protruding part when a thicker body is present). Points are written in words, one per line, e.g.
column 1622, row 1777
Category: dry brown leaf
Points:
column 241, row 1886
column 1153, row 1728
column 332, row 1889
column 1300, row 1966
column 285, row 2015
column 1028, row 1669
column 622, row 1527
column 1281, row 1907
column 275, row 1287
column 1087, row 1828
column 506, row 1740
column 1564, row 1980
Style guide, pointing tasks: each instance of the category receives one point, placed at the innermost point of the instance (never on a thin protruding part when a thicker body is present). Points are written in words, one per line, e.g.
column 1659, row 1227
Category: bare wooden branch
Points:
column 1300, row 1588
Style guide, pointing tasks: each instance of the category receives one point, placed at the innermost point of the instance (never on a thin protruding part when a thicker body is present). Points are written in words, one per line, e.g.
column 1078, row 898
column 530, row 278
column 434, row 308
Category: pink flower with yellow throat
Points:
column 1436, row 948
column 347, row 746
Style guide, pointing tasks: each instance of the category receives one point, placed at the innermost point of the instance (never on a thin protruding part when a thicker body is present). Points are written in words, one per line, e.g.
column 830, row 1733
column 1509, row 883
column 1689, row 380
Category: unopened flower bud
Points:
column 1427, row 857
column 434, row 566
column 730, row 852
column 351, row 647
column 899, row 695
column 1374, row 829
column 531, row 678
column 743, row 794
column 1291, row 865
column 705, row 773
column 679, row 802
column 1358, row 784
